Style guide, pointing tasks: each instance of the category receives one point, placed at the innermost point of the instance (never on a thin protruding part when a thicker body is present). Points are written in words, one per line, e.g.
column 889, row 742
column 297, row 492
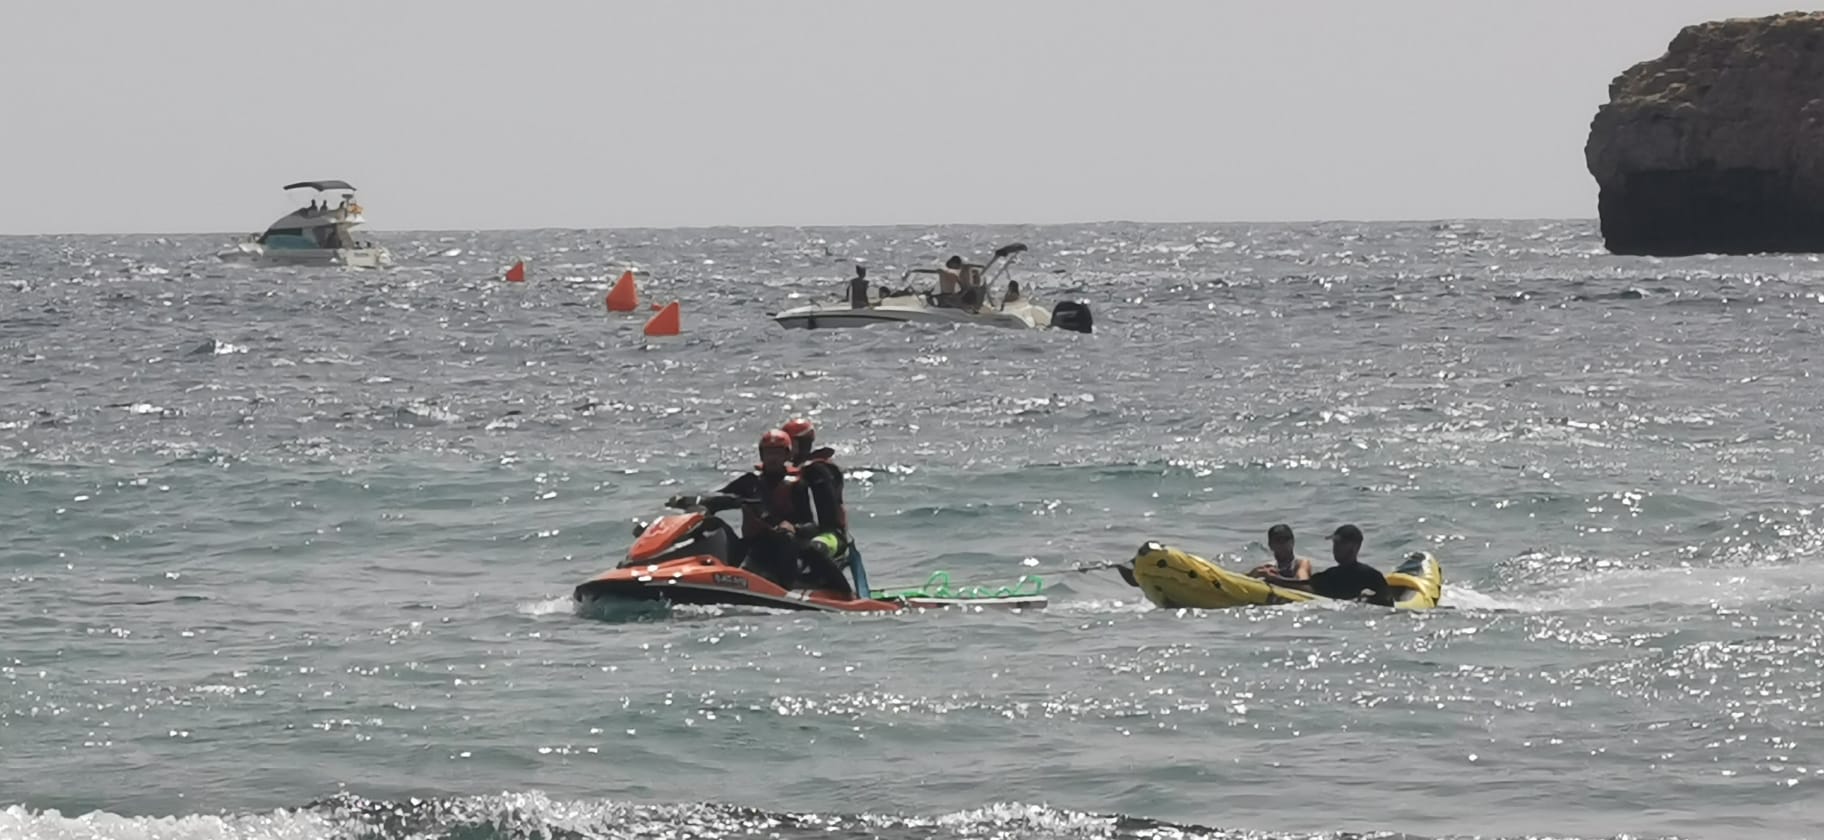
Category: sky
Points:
column 124, row 116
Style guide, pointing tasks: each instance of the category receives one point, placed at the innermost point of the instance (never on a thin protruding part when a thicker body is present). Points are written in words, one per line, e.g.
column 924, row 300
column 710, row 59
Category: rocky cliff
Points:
column 1718, row 145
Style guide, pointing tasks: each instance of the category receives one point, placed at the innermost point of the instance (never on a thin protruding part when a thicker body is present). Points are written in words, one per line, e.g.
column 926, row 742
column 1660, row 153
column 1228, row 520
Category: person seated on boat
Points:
column 1350, row 579
column 974, row 294
column 950, row 282
column 975, row 288
column 950, row 277
column 959, row 285
column 1285, row 563
column 1013, row 292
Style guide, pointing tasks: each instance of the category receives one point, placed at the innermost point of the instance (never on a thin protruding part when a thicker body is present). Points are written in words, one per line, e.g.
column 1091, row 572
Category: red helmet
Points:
column 775, row 439
column 798, row 427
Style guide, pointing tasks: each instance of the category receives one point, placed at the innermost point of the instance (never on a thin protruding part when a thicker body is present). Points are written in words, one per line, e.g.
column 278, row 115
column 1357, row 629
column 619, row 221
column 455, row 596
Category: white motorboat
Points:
column 315, row 234
column 1014, row 310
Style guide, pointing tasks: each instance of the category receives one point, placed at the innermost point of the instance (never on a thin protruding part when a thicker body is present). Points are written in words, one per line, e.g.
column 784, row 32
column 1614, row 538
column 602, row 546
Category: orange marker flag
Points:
column 667, row 322
column 623, row 298
column 517, row 274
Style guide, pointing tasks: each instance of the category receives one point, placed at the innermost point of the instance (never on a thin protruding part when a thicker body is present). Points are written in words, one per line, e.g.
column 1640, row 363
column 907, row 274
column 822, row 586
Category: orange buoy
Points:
column 667, row 322
column 517, row 274
column 623, row 298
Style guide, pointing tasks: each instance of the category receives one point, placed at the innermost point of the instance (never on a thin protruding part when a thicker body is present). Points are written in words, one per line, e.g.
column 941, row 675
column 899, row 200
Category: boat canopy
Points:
column 321, row 186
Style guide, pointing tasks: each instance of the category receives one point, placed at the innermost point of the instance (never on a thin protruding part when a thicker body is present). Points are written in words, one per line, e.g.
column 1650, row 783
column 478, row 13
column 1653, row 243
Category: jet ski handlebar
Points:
column 709, row 504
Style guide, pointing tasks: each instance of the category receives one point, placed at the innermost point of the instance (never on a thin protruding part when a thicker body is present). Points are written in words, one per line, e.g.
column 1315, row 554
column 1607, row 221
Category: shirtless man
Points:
column 951, row 277
column 1285, row 563
column 959, row 284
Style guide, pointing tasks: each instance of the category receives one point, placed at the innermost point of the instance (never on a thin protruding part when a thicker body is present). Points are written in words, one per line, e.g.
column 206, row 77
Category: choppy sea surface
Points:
column 288, row 552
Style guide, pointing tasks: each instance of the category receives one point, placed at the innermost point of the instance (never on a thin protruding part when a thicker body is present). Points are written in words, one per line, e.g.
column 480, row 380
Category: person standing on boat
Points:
column 1350, row 579
column 858, row 289
column 1286, row 564
column 975, row 289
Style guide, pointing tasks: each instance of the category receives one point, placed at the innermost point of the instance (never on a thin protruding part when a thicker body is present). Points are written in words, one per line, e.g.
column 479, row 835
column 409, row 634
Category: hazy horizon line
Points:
column 832, row 226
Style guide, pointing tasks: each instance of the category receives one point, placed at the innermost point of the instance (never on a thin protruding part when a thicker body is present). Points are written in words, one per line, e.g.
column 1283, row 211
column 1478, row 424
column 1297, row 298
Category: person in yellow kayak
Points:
column 1286, row 564
column 1349, row 580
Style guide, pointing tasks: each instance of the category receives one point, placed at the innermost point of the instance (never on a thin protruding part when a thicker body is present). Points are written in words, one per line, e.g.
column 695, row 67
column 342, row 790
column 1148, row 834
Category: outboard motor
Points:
column 1072, row 315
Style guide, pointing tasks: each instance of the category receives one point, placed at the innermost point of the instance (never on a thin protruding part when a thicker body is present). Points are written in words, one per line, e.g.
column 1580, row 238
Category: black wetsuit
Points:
column 818, row 509
column 1348, row 581
column 810, row 498
column 765, row 501
column 819, row 496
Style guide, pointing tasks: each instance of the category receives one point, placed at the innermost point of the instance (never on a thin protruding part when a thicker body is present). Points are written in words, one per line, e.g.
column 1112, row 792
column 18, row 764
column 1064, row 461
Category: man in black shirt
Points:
column 1350, row 579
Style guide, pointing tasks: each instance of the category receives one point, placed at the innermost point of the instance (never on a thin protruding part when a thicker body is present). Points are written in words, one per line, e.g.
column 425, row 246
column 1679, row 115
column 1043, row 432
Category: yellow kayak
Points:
column 1174, row 579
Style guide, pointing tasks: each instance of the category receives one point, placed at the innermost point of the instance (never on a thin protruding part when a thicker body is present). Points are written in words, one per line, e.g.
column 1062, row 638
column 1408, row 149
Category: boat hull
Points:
column 255, row 254
column 909, row 309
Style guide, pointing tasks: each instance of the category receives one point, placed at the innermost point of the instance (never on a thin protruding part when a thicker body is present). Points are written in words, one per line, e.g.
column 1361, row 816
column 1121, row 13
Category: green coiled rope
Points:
column 938, row 586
